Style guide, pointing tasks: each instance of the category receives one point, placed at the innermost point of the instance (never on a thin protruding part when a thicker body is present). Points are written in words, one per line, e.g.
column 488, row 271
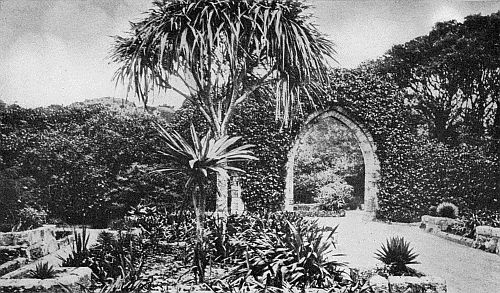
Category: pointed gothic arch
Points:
column 367, row 146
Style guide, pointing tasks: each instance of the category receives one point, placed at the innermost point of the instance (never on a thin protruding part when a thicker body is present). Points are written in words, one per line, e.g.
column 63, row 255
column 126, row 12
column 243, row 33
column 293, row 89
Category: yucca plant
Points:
column 397, row 255
column 203, row 157
column 79, row 256
column 42, row 271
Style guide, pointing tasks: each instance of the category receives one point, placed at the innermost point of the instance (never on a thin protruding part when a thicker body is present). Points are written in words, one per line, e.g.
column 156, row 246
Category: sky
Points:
column 56, row 51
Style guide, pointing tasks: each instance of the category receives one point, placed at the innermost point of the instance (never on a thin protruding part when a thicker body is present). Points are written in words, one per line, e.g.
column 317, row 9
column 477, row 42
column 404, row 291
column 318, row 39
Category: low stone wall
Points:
column 31, row 244
column 487, row 238
column 12, row 265
column 68, row 279
column 313, row 210
column 403, row 284
column 433, row 224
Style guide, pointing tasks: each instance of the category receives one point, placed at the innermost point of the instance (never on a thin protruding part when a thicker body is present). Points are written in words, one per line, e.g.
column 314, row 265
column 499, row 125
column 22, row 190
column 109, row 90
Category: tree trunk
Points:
column 199, row 251
column 221, row 206
column 221, row 202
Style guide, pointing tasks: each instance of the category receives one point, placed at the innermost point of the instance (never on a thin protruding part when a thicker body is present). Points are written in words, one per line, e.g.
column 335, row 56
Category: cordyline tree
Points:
column 222, row 51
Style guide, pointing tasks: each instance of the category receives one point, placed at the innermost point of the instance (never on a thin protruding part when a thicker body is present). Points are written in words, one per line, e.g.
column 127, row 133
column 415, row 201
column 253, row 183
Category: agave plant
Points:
column 203, row 157
column 42, row 271
column 397, row 254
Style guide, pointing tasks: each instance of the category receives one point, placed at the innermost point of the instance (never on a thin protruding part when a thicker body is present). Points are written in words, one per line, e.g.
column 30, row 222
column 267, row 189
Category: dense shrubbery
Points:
column 94, row 163
column 84, row 165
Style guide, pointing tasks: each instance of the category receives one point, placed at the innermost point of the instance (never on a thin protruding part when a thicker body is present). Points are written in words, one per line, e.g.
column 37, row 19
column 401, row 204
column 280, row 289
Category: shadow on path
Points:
column 466, row 270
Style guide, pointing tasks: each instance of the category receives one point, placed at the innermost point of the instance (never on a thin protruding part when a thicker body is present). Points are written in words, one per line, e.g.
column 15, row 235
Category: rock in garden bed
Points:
column 487, row 238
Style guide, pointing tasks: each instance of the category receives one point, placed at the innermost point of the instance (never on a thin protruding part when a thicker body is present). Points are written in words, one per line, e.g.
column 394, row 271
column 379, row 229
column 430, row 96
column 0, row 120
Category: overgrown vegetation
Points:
column 328, row 168
column 88, row 165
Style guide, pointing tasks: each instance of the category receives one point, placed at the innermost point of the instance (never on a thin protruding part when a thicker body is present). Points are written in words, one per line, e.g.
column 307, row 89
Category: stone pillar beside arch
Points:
column 367, row 146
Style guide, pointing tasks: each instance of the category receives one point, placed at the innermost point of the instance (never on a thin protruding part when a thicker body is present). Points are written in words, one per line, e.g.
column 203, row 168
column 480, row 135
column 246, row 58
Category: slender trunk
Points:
column 221, row 203
column 199, row 252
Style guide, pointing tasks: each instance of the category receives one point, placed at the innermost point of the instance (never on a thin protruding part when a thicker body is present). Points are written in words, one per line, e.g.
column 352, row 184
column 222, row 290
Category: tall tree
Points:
column 478, row 52
column 222, row 51
column 453, row 74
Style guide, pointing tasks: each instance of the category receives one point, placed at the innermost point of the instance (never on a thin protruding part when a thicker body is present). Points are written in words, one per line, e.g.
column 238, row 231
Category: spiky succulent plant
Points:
column 397, row 255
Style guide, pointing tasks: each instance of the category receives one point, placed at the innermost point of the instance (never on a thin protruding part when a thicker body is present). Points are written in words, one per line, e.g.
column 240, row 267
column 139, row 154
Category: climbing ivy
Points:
column 416, row 172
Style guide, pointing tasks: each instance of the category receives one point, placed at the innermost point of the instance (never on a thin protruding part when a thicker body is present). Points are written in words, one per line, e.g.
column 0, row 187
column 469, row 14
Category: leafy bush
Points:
column 447, row 210
column 42, row 271
column 88, row 165
column 284, row 249
column 31, row 218
column 334, row 196
column 114, row 256
column 130, row 279
column 396, row 254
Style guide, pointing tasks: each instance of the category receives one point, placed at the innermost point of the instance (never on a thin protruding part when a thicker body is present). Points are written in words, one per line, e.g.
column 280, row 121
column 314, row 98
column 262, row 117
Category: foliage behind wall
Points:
column 90, row 164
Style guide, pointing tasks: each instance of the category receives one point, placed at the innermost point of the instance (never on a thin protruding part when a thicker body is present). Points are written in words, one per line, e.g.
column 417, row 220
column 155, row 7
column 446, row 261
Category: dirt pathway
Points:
column 466, row 270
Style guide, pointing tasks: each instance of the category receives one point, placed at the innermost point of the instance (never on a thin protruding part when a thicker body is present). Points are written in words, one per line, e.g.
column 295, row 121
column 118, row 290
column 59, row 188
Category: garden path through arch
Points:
column 367, row 146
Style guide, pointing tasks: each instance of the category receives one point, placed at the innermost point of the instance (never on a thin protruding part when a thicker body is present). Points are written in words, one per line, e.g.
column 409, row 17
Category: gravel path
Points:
column 466, row 270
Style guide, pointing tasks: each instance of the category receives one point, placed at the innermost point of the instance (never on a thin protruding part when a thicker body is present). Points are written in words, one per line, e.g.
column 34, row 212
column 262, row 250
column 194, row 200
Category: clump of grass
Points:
column 447, row 210
column 42, row 271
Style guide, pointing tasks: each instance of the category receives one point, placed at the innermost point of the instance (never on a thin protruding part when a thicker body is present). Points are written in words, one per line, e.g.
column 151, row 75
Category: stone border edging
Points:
column 72, row 279
column 404, row 284
column 487, row 238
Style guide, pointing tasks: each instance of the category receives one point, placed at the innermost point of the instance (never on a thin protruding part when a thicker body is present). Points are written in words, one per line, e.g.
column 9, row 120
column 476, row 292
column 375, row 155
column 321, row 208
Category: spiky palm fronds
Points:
column 203, row 155
column 223, row 49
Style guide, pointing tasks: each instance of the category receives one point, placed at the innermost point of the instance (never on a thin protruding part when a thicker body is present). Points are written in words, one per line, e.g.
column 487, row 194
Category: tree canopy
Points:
column 222, row 51
column 453, row 75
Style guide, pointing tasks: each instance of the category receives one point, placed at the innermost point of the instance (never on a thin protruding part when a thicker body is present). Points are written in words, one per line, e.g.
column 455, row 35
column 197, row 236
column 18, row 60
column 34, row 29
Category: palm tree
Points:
column 199, row 160
column 220, row 52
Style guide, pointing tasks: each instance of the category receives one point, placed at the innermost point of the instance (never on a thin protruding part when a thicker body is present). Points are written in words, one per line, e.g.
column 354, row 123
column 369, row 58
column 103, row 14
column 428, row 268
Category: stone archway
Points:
column 367, row 146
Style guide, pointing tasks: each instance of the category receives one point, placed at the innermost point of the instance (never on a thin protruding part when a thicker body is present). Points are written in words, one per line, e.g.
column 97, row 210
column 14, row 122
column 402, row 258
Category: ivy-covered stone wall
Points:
column 416, row 172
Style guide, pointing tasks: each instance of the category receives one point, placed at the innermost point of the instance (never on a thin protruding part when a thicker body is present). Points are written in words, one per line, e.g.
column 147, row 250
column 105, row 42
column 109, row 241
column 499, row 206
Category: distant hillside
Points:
column 126, row 107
